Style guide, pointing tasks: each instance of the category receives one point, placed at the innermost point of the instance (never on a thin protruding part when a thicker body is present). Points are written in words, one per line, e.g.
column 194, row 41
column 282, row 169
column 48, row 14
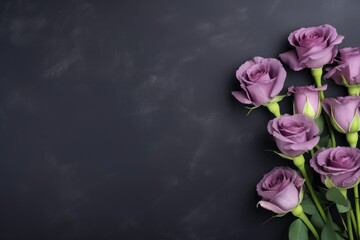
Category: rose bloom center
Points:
column 343, row 160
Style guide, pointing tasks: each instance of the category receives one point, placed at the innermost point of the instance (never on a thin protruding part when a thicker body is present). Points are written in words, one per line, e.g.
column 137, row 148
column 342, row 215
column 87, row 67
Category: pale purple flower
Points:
column 294, row 134
column 343, row 111
column 347, row 67
column 340, row 164
column 261, row 80
column 314, row 47
column 306, row 99
column 281, row 190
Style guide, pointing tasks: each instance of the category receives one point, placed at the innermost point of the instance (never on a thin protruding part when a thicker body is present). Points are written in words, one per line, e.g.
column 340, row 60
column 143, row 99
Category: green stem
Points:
column 331, row 131
column 299, row 212
column 312, row 152
column 357, row 209
column 299, row 162
column 349, row 226
column 317, row 74
column 353, row 220
column 354, row 90
column 274, row 108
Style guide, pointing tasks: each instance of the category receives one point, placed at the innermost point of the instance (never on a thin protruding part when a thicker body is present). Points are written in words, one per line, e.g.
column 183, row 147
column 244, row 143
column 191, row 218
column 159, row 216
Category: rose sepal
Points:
column 273, row 105
column 355, row 123
column 308, row 109
column 352, row 138
column 251, row 109
column 282, row 155
column 353, row 90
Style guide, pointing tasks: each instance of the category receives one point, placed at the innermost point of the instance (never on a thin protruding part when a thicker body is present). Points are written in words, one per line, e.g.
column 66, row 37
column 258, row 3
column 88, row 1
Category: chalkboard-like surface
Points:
column 117, row 122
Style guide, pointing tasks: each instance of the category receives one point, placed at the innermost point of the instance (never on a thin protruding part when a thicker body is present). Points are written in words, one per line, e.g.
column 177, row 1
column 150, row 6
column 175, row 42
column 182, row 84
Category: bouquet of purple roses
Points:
column 331, row 208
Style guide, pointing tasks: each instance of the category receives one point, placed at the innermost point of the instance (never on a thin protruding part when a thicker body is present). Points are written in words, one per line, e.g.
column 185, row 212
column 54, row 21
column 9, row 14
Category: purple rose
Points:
column 314, row 47
column 261, row 80
column 340, row 164
column 343, row 112
column 307, row 100
column 347, row 67
column 281, row 190
column 294, row 134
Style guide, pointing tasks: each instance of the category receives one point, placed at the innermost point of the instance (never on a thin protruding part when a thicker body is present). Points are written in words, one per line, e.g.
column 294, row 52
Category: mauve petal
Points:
column 338, row 39
column 242, row 69
column 285, row 148
column 306, row 53
column 352, row 179
column 258, row 59
column 287, row 199
column 337, row 171
column 279, row 83
column 298, row 137
column 257, row 74
column 305, row 146
column 352, row 68
column 318, row 62
column 270, row 126
column 282, row 138
column 321, row 53
column 314, row 164
column 268, row 194
column 345, row 180
column 326, row 104
column 241, row 97
column 290, row 58
column 356, row 80
column 271, row 207
column 260, row 93
column 345, row 112
column 335, row 74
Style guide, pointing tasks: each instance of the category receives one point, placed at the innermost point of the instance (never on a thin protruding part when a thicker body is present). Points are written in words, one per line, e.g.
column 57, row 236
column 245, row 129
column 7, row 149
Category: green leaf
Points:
column 334, row 195
column 317, row 220
column 308, row 205
column 298, row 230
column 320, row 123
column 328, row 232
column 324, row 141
column 344, row 209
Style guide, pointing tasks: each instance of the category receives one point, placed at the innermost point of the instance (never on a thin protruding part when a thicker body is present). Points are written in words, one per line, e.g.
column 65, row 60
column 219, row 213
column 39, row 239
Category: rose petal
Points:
column 290, row 58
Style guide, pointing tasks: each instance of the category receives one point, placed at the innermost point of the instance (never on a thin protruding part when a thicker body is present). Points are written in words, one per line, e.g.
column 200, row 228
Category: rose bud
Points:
column 307, row 100
column 294, row 134
column 261, row 80
column 314, row 47
column 347, row 70
column 281, row 190
column 340, row 165
column 344, row 113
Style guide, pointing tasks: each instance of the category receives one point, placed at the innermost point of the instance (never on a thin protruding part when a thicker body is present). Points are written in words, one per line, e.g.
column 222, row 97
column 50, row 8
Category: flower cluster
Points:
column 308, row 133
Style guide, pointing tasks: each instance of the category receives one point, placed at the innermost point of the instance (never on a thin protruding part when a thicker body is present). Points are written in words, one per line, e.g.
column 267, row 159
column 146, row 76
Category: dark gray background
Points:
column 117, row 120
